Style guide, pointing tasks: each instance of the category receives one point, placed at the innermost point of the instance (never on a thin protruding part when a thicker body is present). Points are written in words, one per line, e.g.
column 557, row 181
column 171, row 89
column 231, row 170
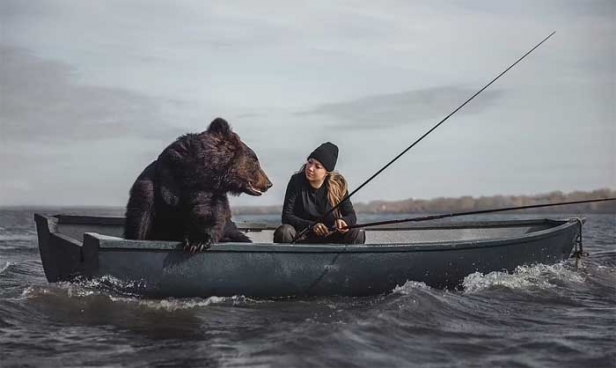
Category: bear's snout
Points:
column 268, row 183
column 261, row 185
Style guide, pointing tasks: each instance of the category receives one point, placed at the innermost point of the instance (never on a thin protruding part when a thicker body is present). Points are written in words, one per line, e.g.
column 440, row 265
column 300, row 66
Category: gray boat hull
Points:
column 440, row 256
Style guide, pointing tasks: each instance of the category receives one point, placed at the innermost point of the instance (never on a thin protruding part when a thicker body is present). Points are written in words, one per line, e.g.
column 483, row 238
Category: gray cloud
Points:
column 91, row 80
column 40, row 101
column 390, row 110
column 546, row 8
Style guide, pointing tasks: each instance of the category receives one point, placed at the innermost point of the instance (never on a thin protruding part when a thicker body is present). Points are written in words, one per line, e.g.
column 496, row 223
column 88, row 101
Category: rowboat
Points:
column 439, row 255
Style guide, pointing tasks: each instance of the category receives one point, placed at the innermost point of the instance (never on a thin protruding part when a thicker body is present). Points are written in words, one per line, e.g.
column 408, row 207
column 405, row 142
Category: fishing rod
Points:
column 478, row 212
column 303, row 232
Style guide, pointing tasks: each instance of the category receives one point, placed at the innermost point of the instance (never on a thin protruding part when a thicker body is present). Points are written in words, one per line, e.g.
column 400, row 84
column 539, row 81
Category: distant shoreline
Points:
column 468, row 203
column 435, row 205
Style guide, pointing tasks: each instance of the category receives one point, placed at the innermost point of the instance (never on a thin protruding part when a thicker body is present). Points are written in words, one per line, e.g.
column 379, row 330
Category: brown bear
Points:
column 182, row 196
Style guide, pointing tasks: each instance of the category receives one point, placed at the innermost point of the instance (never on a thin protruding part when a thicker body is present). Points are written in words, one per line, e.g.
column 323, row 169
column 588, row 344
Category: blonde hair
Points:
column 337, row 189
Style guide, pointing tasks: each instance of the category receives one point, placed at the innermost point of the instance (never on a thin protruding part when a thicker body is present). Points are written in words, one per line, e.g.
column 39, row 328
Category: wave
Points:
column 523, row 277
column 106, row 287
column 5, row 267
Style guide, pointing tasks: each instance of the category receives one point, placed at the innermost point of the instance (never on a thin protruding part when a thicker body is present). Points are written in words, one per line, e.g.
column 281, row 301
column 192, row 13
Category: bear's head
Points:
column 236, row 165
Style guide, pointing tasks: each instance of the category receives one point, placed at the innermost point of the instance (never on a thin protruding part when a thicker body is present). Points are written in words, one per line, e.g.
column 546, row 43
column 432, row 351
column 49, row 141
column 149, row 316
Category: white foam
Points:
column 79, row 291
column 409, row 287
column 173, row 304
column 34, row 291
column 524, row 277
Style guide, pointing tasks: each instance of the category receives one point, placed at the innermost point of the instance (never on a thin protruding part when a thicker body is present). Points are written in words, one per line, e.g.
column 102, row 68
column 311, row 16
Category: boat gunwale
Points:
column 110, row 243
column 261, row 226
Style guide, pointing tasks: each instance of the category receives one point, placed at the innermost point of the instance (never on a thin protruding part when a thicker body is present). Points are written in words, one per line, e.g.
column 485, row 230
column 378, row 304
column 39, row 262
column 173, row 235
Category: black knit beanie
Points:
column 326, row 154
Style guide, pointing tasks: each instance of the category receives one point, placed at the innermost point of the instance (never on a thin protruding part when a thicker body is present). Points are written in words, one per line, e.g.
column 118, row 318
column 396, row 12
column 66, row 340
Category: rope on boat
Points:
column 325, row 271
column 579, row 249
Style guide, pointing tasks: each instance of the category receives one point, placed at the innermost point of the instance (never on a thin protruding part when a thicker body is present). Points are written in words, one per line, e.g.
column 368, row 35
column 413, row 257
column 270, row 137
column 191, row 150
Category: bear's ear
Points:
column 219, row 126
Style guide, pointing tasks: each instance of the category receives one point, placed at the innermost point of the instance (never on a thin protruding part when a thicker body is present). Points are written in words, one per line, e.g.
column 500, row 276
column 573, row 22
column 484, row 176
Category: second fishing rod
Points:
column 302, row 233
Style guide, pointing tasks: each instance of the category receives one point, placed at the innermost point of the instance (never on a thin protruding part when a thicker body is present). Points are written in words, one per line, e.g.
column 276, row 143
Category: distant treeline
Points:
column 468, row 203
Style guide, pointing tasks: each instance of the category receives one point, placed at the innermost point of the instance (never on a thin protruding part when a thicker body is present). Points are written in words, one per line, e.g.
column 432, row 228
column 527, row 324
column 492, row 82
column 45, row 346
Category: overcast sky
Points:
column 92, row 91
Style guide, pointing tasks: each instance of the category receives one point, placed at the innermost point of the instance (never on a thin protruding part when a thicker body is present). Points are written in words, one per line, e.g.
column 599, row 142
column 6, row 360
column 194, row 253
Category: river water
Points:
column 538, row 316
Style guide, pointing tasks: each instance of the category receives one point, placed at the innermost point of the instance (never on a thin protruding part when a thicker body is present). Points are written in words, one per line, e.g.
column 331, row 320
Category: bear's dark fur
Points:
column 182, row 196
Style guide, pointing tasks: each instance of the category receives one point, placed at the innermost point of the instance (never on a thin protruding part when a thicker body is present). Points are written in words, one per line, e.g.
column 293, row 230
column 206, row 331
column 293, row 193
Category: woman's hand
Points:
column 320, row 229
column 341, row 226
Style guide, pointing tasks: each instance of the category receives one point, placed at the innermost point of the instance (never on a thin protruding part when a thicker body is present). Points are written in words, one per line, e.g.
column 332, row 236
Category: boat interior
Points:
column 424, row 232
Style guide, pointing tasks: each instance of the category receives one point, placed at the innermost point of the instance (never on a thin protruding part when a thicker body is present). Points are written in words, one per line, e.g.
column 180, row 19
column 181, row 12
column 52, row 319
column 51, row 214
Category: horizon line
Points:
column 25, row 206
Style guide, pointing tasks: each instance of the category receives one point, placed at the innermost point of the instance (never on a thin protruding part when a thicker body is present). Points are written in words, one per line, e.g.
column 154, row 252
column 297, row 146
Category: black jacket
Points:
column 303, row 204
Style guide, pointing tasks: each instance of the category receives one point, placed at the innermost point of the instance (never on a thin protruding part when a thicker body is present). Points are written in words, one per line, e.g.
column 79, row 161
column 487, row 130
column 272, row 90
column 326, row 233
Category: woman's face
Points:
column 314, row 171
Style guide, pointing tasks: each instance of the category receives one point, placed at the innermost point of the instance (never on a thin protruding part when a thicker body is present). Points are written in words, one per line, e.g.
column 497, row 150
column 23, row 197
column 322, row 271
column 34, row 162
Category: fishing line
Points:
column 304, row 231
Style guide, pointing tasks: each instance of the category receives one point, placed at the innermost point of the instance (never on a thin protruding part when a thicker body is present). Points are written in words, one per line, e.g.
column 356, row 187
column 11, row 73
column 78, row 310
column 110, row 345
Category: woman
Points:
column 312, row 192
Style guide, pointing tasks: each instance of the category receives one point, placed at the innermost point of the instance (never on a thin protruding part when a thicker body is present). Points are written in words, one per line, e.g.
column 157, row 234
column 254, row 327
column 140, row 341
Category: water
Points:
column 539, row 316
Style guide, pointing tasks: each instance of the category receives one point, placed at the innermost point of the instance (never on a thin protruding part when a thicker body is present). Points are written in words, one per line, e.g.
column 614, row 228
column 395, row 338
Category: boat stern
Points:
column 61, row 256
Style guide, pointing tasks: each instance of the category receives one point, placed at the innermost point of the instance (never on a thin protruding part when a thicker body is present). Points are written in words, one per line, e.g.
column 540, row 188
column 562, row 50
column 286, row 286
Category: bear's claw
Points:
column 195, row 247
